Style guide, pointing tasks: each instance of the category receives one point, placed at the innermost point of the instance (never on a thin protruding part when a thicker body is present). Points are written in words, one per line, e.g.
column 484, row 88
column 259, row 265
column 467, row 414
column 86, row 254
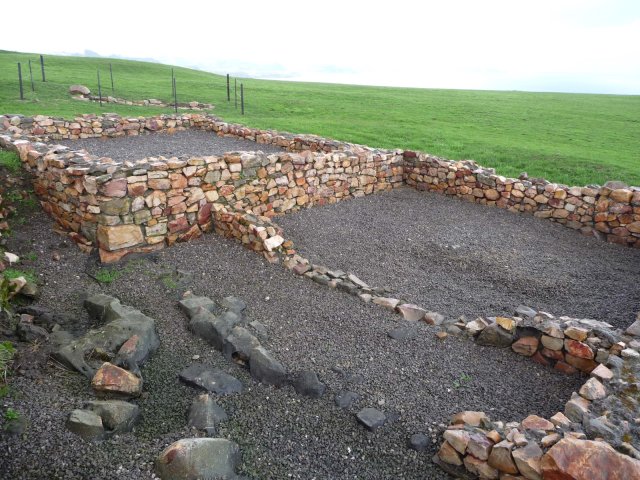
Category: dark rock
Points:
column 134, row 352
column 28, row 332
column 371, row 418
column 308, row 384
column 348, row 287
column 265, row 368
column 191, row 305
column 210, row 379
column 205, row 414
column 123, row 323
column 233, row 304
column 495, row 336
column 117, row 415
column 198, row 458
column 524, row 311
column 601, row 427
column 86, row 424
column 259, row 329
column 210, row 328
column 418, row 442
column 238, row 345
column 404, row 332
column 346, row 398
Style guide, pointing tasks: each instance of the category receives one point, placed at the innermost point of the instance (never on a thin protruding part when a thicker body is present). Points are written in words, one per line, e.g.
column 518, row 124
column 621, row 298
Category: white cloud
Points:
column 563, row 45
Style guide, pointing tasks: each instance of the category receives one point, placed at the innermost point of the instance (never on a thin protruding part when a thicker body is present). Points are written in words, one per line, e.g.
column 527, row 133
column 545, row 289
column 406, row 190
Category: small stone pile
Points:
column 80, row 92
column 110, row 356
column 255, row 232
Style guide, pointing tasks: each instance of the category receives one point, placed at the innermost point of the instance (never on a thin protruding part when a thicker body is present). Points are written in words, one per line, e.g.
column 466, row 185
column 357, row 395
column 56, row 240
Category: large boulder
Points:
column 123, row 324
column 198, row 458
column 573, row 459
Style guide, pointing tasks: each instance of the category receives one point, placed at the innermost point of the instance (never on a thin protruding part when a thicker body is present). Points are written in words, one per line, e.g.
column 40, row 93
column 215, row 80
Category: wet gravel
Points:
column 281, row 434
column 461, row 258
column 188, row 142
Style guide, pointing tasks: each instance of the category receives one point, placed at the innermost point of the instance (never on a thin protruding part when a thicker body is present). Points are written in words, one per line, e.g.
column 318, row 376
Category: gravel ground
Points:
column 188, row 142
column 281, row 434
column 461, row 258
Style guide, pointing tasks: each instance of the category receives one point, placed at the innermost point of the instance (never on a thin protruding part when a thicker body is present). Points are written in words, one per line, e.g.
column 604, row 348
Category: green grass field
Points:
column 570, row 138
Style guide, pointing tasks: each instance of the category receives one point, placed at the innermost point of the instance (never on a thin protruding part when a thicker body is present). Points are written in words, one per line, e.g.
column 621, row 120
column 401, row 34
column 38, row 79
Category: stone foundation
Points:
column 74, row 186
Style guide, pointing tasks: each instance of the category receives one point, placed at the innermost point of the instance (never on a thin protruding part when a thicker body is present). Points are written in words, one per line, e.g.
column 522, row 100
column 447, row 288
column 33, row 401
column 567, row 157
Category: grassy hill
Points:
column 569, row 138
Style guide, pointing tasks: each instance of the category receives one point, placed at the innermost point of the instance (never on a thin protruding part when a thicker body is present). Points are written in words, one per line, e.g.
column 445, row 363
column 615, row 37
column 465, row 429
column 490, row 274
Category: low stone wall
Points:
column 604, row 409
column 611, row 213
column 141, row 206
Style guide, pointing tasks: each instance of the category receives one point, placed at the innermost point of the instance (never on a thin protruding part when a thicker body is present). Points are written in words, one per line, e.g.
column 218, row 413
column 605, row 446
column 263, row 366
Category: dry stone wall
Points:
column 610, row 212
column 143, row 205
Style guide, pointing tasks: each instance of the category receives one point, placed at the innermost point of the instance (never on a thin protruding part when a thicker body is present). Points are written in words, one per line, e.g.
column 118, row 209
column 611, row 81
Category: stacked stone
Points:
column 611, row 212
column 256, row 233
column 567, row 344
column 605, row 408
column 536, row 448
column 140, row 206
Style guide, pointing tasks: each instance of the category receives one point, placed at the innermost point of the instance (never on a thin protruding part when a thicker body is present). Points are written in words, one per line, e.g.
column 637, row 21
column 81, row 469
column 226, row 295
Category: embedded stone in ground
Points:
column 198, row 458
column 411, row 312
column 86, row 424
column 265, row 368
column 191, row 305
column 418, row 442
column 205, row 414
column 117, row 415
column 346, row 398
column 404, row 332
column 210, row 379
column 238, row 345
column 214, row 330
column 234, row 304
column 308, row 384
column 371, row 418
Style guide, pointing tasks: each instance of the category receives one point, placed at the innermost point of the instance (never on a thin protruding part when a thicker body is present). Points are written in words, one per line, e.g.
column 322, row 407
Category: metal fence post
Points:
column 42, row 67
column 111, row 73
column 20, row 81
column 99, row 89
column 33, row 88
column 228, row 89
column 242, row 98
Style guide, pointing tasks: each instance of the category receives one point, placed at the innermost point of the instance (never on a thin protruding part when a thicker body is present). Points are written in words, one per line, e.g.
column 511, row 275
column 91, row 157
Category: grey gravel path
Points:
column 281, row 434
column 188, row 142
column 460, row 258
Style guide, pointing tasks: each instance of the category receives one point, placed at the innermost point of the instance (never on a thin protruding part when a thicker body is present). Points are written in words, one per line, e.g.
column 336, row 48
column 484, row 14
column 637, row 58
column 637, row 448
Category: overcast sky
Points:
column 542, row 45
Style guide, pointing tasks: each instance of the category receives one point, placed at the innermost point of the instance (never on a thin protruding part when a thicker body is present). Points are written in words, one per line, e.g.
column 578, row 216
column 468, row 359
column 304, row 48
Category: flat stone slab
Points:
column 371, row 418
column 211, row 379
